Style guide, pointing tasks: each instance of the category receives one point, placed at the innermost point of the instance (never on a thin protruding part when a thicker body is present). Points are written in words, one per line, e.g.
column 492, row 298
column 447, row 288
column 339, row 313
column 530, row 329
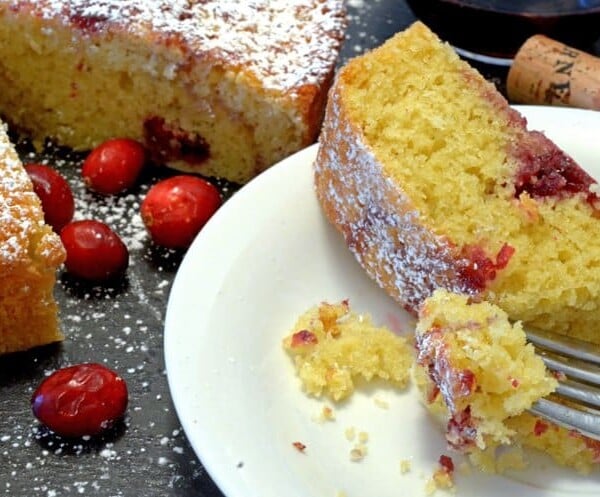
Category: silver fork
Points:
column 577, row 365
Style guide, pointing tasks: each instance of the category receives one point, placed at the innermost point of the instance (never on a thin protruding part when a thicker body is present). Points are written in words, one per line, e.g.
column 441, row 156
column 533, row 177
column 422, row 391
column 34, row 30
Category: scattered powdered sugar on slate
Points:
column 119, row 325
column 363, row 15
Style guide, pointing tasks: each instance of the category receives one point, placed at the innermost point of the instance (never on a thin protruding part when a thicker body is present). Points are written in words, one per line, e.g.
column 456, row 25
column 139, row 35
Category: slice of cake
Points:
column 30, row 253
column 222, row 88
column 435, row 181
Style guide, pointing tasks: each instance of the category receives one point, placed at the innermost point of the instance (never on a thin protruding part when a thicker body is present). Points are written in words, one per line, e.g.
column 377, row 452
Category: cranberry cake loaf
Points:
column 436, row 182
column 218, row 87
column 30, row 253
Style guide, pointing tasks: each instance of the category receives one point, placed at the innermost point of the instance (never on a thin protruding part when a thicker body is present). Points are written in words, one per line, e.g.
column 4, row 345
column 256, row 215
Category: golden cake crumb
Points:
column 350, row 433
column 479, row 365
column 359, row 449
column 358, row 452
column 327, row 414
column 479, row 375
column 405, row 466
column 333, row 347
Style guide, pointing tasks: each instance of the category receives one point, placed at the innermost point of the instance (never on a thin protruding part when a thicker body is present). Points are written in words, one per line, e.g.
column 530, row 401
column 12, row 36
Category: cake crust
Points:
column 379, row 222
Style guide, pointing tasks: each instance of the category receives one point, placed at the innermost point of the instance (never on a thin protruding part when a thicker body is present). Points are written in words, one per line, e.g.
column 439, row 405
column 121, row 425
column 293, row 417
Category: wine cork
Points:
column 548, row 72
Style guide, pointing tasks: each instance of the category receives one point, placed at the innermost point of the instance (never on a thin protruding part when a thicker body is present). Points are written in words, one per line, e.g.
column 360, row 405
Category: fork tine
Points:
column 574, row 390
column 575, row 359
column 585, row 422
column 564, row 345
column 573, row 368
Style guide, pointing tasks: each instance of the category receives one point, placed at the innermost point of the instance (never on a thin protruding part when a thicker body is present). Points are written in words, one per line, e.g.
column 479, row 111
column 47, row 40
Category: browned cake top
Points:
column 284, row 43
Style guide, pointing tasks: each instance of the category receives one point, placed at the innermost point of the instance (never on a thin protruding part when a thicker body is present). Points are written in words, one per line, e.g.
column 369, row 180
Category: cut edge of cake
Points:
column 30, row 255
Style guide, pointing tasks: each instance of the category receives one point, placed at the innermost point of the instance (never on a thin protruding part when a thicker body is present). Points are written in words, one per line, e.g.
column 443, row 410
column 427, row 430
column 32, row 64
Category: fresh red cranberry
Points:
column 94, row 250
column 113, row 166
column 80, row 400
column 54, row 193
column 175, row 209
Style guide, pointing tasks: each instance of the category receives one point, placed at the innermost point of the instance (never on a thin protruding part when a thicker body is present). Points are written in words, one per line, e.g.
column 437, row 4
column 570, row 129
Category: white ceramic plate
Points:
column 262, row 260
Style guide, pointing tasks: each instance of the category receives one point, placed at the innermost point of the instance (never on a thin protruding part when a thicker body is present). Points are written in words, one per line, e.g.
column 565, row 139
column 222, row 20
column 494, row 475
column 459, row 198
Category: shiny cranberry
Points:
column 54, row 193
column 113, row 166
column 85, row 399
column 175, row 209
column 94, row 250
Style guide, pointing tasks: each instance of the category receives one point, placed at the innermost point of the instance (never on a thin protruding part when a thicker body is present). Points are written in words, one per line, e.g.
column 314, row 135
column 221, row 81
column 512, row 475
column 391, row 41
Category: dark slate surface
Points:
column 148, row 455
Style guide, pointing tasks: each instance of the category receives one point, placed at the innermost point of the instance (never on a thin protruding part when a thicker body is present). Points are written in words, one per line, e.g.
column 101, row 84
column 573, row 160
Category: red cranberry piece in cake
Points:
column 88, row 23
column 304, row 337
column 547, row 171
column 80, row 400
column 480, row 268
column 169, row 143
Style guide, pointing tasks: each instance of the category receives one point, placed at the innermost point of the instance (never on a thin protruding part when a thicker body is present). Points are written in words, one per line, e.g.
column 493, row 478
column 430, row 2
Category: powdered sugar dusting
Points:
column 378, row 221
column 20, row 213
column 285, row 43
column 14, row 209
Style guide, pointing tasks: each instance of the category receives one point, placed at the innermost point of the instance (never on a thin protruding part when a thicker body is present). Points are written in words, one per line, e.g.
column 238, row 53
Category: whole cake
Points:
column 222, row 88
column 436, row 182
column 30, row 253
